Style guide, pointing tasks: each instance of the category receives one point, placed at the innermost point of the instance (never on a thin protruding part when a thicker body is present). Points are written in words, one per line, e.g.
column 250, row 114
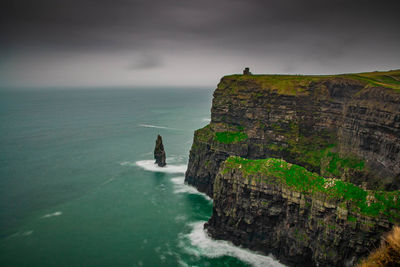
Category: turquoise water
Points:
column 78, row 186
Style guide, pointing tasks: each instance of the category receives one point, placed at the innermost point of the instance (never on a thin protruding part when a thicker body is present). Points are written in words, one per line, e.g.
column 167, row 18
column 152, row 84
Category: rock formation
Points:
column 341, row 127
column 159, row 153
column 300, row 217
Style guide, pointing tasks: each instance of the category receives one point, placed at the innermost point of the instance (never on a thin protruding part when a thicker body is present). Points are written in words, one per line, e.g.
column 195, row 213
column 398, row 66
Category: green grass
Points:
column 389, row 79
column 230, row 137
column 337, row 163
column 282, row 84
column 207, row 134
column 351, row 219
column 297, row 178
column 297, row 84
column 311, row 150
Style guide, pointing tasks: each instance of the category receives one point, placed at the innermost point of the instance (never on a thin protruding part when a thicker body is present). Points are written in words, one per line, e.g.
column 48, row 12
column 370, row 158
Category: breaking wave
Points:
column 181, row 187
column 198, row 243
column 149, row 165
column 155, row 126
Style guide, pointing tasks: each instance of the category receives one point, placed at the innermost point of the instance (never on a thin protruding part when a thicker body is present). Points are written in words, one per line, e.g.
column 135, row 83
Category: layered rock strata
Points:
column 338, row 126
column 300, row 217
column 343, row 130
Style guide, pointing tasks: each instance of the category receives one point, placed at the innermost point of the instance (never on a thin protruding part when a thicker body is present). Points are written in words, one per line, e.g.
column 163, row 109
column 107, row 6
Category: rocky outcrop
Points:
column 303, row 219
column 159, row 153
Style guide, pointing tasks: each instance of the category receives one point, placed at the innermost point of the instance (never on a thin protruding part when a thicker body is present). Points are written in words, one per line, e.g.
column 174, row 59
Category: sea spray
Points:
column 181, row 187
column 199, row 244
column 149, row 165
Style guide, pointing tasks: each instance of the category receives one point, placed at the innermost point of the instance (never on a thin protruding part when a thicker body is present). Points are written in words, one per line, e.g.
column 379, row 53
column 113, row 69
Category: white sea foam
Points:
column 180, row 218
column 181, row 187
column 57, row 213
column 149, row 165
column 198, row 243
column 156, row 126
column 206, row 119
column 127, row 163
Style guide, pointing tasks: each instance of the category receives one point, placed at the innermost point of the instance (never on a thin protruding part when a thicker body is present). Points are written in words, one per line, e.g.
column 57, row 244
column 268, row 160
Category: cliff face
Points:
column 302, row 218
column 344, row 130
column 338, row 126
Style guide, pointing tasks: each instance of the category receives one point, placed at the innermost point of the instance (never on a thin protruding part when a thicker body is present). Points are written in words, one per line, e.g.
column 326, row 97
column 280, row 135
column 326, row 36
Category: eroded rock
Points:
column 159, row 153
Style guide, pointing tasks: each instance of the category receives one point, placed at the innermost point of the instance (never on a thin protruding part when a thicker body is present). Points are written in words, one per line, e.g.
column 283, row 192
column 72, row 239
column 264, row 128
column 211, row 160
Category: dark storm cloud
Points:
column 126, row 24
column 304, row 31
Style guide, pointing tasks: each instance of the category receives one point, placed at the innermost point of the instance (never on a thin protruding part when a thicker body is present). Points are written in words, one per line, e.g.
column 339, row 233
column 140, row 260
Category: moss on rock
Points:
column 297, row 178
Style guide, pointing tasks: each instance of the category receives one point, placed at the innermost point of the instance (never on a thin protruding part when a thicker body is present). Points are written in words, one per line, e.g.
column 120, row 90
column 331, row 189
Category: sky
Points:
column 60, row 43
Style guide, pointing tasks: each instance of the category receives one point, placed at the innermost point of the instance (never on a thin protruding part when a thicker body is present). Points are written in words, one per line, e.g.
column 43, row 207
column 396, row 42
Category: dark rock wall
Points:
column 297, row 229
column 359, row 121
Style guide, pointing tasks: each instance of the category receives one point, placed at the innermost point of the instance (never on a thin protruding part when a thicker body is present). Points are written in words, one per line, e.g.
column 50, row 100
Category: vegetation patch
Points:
column 207, row 134
column 336, row 163
column 297, row 84
column 310, row 151
column 389, row 79
column 297, row 178
column 230, row 137
column 281, row 84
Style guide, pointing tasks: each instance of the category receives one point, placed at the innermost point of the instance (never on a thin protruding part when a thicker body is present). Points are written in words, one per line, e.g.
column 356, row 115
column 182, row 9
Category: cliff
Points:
column 343, row 128
column 302, row 218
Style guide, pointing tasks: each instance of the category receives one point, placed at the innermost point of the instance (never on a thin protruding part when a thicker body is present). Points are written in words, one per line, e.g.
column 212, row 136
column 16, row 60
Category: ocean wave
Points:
column 149, row 165
column 181, row 187
column 156, row 126
column 198, row 243
column 57, row 213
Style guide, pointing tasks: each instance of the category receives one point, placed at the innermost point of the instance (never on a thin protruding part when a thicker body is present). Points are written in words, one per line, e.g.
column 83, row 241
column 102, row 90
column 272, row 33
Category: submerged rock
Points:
column 159, row 153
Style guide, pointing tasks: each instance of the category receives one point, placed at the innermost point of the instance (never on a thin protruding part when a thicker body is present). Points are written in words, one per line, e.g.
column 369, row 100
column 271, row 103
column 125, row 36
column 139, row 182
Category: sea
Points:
column 79, row 187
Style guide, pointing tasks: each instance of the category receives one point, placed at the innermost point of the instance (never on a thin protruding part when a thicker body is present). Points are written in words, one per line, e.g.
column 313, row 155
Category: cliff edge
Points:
column 341, row 128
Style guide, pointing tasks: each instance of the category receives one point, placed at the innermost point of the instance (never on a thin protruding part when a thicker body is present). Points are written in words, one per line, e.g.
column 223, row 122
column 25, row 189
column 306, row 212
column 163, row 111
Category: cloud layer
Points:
column 190, row 43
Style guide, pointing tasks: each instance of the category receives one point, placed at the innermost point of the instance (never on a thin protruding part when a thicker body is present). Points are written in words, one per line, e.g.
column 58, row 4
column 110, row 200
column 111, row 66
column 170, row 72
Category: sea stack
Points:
column 159, row 153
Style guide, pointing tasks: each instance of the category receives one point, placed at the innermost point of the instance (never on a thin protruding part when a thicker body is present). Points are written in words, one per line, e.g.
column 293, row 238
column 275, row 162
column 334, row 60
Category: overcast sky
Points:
column 191, row 43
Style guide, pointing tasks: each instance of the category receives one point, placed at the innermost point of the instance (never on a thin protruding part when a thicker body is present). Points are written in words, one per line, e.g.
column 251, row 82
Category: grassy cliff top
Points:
column 295, row 84
column 297, row 178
